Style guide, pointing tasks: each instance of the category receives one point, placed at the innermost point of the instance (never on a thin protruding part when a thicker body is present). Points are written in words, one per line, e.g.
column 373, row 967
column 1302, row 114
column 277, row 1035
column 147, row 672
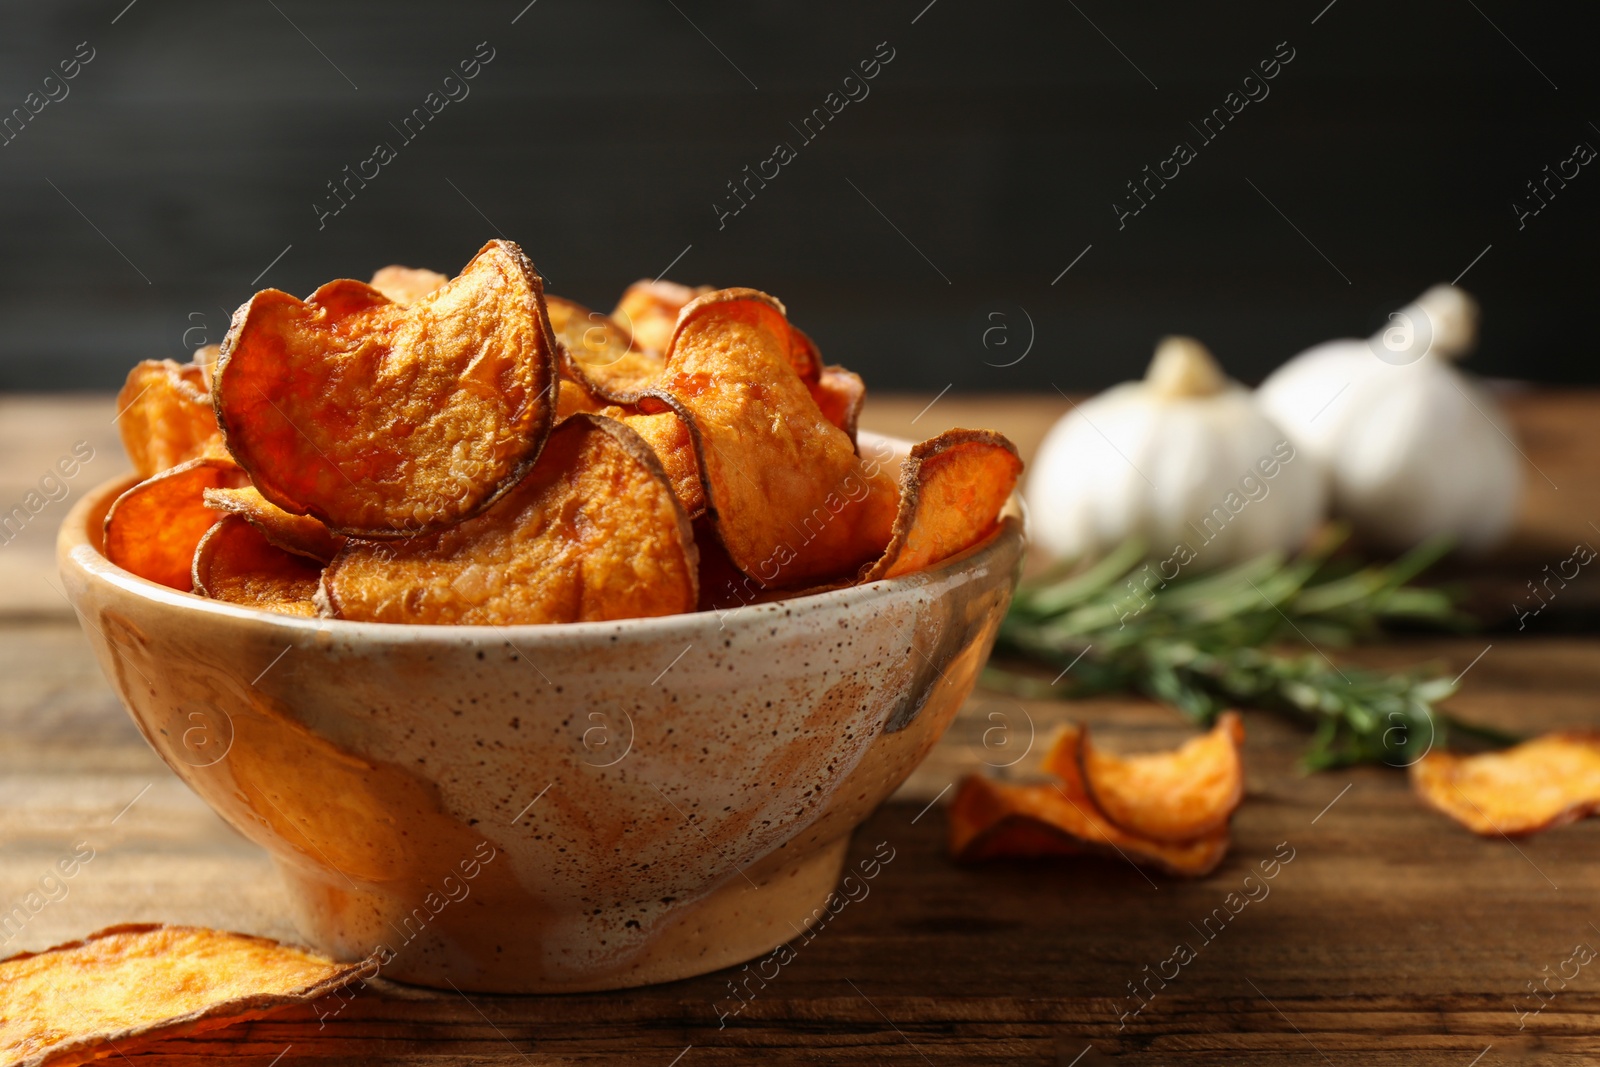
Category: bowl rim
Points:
column 75, row 549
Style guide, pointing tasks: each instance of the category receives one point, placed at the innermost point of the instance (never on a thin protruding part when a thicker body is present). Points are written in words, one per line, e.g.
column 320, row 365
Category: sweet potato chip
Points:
column 668, row 437
column 599, row 354
column 164, row 415
column 840, row 394
column 574, row 399
column 805, row 358
column 796, row 346
column 720, row 581
column 235, row 562
column 404, row 285
column 593, row 532
column 851, row 529
column 1021, row 837
column 951, row 492
column 649, row 311
column 153, row 528
column 768, row 458
column 300, row 534
column 1549, row 781
column 989, row 820
column 128, row 986
column 205, row 357
column 1164, row 796
column 386, row 419
column 407, row 409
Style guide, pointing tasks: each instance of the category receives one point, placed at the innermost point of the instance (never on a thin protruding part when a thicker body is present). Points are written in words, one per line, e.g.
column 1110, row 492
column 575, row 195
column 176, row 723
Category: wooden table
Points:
column 1393, row 936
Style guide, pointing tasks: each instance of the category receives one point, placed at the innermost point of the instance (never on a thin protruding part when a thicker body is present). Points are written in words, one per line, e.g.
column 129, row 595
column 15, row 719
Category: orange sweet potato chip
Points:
column 593, row 532
column 1549, row 781
column 598, row 353
column 649, row 311
column 951, row 492
column 164, row 415
column 989, row 820
column 235, row 562
column 1014, row 835
column 406, row 284
column 1168, row 810
column 840, row 394
column 574, row 399
column 851, row 529
column 805, row 358
column 205, row 357
column 153, row 528
column 385, row 419
column 669, row 438
column 407, row 410
column 128, row 986
column 1164, row 796
column 793, row 343
column 768, row 458
column 300, row 534
column 993, row 820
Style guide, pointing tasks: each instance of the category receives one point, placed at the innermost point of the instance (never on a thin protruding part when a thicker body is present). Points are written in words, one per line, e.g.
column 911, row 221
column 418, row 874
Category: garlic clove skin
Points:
column 1428, row 452
column 1183, row 368
column 1452, row 315
column 1411, row 446
column 1178, row 460
column 1310, row 395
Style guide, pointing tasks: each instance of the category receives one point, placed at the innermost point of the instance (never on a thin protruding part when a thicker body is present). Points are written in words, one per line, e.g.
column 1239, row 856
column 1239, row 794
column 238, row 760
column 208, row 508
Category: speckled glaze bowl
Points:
column 548, row 808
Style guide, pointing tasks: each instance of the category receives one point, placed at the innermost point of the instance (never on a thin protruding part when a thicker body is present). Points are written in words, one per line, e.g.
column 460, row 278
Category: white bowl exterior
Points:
column 554, row 807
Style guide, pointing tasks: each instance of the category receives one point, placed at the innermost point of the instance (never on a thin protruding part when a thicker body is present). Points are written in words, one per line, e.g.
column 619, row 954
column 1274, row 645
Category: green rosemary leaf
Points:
column 1209, row 642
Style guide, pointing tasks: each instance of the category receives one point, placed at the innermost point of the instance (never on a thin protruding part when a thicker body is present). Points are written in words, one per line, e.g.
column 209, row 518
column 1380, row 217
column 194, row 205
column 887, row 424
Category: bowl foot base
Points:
column 514, row 946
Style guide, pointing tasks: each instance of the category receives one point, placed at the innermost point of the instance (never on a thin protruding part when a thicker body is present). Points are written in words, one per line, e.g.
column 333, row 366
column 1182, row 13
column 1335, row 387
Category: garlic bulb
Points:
column 1184, row 460
column 1410, row 445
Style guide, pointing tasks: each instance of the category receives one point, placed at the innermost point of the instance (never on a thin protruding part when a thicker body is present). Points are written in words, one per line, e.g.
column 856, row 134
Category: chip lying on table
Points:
column 1549, row 781
column 1168, row 810
column 473, row 451
column 127, row 986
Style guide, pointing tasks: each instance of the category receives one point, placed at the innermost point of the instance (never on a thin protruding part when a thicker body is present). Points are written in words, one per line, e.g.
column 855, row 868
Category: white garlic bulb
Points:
column 1411, row 446
column 1184, row 460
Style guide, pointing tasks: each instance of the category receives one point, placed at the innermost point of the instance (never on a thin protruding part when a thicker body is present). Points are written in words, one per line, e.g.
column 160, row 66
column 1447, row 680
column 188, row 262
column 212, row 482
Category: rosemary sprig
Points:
column 1209, row 642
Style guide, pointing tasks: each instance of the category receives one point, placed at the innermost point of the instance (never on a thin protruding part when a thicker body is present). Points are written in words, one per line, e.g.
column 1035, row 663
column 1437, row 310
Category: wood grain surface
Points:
column 1392, row 936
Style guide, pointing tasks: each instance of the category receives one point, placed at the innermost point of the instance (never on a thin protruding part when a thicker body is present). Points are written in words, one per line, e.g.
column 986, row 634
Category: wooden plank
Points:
column 1392, row 935
column 38, row 432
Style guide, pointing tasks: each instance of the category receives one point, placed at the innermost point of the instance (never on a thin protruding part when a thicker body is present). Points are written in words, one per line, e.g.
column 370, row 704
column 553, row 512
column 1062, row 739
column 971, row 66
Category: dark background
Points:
column 600, row 136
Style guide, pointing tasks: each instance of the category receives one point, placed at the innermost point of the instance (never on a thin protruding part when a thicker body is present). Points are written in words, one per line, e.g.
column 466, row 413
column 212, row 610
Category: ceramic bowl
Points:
column 548, row 808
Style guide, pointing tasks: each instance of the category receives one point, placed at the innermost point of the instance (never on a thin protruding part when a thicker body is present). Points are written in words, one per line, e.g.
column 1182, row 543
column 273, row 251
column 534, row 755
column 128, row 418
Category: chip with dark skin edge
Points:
column 385, row 419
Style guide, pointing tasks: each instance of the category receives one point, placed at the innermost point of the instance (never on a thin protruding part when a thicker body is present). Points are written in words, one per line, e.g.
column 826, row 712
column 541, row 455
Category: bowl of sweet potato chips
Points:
column 544, row 649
